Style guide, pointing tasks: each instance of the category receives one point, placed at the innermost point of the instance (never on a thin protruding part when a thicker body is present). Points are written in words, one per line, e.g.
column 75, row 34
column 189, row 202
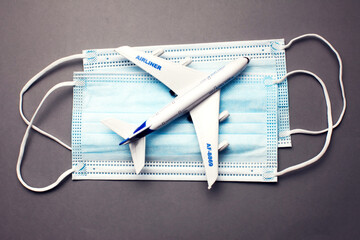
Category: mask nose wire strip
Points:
column 330, row 124
column 32, row 81
column 304, row 131
column 24, row 141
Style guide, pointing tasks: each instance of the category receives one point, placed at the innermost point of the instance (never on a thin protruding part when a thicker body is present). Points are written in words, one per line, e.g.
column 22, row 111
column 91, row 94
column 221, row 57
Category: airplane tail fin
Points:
column 137, row 148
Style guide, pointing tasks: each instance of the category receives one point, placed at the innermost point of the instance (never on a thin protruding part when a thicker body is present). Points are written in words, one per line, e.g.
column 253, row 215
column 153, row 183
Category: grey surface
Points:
column 321, row 202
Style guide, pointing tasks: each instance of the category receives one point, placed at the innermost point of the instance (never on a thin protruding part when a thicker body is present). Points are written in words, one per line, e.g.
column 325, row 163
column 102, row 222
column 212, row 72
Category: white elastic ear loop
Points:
column 304, row 131
column 32, row 81
column 330, row 124
column 23, row 145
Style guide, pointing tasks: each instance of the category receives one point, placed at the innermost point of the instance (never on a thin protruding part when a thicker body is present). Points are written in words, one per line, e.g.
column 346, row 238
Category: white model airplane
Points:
column 198, row 93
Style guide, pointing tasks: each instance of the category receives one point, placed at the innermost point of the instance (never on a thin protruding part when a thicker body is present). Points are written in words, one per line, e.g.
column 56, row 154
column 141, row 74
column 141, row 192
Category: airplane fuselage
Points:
column 187, row 101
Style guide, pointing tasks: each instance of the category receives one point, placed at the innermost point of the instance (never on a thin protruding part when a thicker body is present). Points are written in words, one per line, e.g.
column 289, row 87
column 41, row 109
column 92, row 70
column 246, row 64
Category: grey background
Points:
column 321, row 202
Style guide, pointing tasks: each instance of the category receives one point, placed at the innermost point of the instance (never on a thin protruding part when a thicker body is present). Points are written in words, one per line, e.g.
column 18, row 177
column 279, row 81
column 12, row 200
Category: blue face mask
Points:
column 247, row 99
column 172, row 153
column 112, row 87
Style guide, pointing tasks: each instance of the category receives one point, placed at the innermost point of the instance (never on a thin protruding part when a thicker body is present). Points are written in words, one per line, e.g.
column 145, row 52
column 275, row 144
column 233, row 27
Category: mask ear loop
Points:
column 32, row 81
column 330, row 124
column 24, row 141
column 304, row 131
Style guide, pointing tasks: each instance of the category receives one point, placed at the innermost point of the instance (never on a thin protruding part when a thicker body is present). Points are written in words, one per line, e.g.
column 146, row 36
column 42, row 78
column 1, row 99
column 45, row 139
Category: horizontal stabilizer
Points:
column 137, row 148
column 122, row 128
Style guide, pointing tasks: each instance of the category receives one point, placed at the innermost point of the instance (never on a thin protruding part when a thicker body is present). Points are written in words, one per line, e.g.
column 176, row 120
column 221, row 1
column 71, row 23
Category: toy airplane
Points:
column 198, row 93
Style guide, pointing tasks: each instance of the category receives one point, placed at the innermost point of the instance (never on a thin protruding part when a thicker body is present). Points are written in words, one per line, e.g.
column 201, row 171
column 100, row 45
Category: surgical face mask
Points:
column 257, row 101
column 172, row 153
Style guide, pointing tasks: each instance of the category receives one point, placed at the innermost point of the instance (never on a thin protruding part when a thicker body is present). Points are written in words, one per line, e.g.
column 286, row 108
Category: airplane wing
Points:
column 175, row 76
column 205, row 117
column 137, row 148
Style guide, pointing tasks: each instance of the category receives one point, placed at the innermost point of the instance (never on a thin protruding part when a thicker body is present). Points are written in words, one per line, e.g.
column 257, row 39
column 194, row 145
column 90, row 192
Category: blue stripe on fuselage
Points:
column 140, row 127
